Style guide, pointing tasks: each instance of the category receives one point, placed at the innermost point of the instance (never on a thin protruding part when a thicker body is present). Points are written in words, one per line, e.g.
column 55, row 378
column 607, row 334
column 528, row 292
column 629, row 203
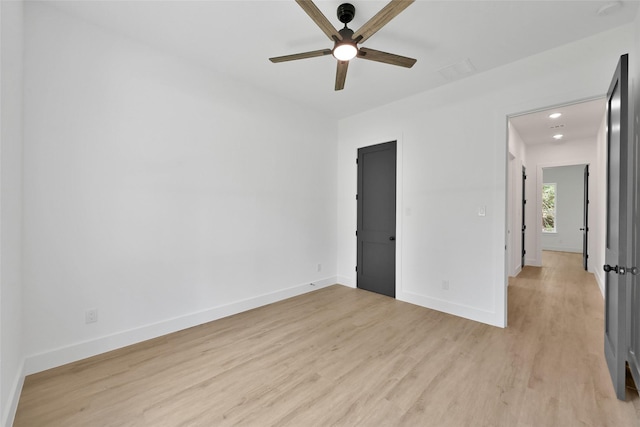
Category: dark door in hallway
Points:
column 618, row 173
column 376, row 234
column 524, row 205
column 585, row 221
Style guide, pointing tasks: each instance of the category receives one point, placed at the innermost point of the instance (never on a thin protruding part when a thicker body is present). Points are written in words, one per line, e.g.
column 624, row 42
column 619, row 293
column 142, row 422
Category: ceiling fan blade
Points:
column 387, row 58
column 390, row 11
column 341, row 74
column 303, row 55
column 320, row 20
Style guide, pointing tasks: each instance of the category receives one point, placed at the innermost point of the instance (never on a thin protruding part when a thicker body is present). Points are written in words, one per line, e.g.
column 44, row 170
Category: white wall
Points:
column 598, row 227
column 453, row 160
column 159, row 193
column 11, row 345
column 569, row 182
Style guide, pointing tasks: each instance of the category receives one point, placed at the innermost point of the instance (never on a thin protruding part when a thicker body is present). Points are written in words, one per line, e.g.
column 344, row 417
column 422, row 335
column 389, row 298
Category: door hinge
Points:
column 356, row 197
column 356, row 268
column 524, row 201
column 356, row 232
column 356, row 161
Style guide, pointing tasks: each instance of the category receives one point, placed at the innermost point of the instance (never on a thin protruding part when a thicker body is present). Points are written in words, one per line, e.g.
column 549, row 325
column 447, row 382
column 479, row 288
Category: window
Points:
column 549, row 208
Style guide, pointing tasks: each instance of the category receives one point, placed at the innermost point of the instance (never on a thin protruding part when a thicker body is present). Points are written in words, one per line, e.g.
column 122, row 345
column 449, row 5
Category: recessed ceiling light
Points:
column 554, row 115
column 558, row 136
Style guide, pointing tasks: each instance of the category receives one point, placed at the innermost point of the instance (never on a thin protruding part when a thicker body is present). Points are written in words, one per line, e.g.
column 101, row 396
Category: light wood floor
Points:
column 342, row 356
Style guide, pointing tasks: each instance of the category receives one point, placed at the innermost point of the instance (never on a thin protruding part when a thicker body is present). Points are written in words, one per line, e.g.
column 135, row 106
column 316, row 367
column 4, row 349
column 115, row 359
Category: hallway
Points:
column 558, row 310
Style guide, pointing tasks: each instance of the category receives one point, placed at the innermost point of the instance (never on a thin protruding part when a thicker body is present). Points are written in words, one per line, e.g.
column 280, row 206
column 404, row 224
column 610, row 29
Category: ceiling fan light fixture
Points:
column 345, row 51
column 345, row 41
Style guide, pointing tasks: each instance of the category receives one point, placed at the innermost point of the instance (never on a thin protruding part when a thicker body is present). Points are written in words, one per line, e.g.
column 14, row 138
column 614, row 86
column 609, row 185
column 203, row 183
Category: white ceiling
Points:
column 578, row 121
column 237, row 37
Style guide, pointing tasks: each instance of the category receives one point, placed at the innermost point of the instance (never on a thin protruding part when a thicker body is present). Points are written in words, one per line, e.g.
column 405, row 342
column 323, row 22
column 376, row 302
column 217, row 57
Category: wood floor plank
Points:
column 342, row 356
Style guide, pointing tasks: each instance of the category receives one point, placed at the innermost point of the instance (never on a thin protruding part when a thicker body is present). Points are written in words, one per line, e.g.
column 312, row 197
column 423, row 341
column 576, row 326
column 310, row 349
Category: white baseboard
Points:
column 600, row 280
column 346, row 281
column 9, row 411
column 534, row 262
column 518, row 270
column 562, row 249
column 82, row 350
column 471, row 313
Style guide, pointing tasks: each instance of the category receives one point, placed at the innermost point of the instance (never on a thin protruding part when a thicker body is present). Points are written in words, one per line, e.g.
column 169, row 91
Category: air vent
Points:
column 609, row 8
column 458, row 70
column 556, row 127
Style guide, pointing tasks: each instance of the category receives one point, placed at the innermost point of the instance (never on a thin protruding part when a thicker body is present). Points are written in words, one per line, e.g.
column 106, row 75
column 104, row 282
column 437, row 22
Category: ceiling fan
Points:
column 346, row 40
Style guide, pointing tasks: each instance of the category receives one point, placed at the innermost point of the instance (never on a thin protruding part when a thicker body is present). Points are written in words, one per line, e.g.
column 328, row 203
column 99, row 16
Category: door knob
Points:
column 582, row 229
column 392, row 238
column 621, row 270
column 607, row 268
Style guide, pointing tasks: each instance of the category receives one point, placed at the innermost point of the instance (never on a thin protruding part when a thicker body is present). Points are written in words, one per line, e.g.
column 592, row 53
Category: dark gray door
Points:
column 524, row 205
column 615, row 321
column 585, row 219
column 633, row 292
column 377, row 219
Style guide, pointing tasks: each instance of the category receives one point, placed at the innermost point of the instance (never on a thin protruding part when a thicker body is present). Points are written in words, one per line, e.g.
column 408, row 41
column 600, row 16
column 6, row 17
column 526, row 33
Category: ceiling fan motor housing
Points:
column 346, row 12
column 347, row 34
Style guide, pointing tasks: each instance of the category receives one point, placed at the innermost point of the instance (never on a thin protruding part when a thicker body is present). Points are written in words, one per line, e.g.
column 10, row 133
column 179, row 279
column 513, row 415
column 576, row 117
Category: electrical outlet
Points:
column 445, row 285
column 91, row 315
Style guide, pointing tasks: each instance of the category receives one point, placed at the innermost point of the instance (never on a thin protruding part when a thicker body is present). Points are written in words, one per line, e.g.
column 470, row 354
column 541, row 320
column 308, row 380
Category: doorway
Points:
column 376, row 233
column 564, row 135
column 614, row 204
column 565, row 209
